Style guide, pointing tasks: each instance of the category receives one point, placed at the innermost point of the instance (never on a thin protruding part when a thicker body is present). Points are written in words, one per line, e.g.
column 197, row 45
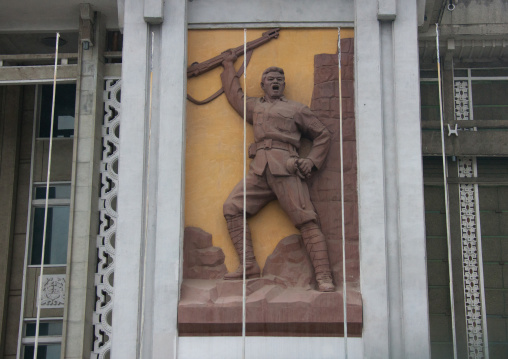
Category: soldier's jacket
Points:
column 276, row 124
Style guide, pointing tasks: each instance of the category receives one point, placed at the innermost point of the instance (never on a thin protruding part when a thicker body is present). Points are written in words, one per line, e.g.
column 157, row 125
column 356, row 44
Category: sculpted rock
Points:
column 290, row 262
column 201, row 260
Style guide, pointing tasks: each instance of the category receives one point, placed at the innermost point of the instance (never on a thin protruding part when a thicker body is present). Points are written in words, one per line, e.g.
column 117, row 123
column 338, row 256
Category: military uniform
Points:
column 278, row 128
column 273, row 174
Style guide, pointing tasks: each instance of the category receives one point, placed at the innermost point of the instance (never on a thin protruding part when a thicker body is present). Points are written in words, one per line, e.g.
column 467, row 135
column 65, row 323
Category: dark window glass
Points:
column 489, row 72
column 44, row 351
column 57, row 230
column 427, row 74
column 460, row 73
column 429, row 92
column 45, row 328
column 55, row 192
column 489, row 100
column 494, row 230
column 65, row 102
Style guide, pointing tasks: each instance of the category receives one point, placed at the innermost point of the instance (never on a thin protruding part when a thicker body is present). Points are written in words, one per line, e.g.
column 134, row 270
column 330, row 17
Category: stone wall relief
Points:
column 285, row 296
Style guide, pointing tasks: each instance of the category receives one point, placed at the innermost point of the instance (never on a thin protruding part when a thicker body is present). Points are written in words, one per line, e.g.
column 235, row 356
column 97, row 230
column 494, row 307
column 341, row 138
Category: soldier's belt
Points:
column 269, row 144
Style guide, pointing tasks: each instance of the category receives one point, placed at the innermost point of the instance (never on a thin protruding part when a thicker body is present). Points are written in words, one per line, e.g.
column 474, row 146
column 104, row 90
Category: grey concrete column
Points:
column 82, row 251
column 371, row 196
column 392, row 232
column 10, row 114
column 170, row 178
column 130, row 225
column 411, row 228
column 151, row 178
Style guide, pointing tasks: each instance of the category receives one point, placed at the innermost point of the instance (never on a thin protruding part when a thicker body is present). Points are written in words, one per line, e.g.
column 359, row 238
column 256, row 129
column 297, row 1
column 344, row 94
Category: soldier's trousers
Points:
column 291, row 191
column 294, row 198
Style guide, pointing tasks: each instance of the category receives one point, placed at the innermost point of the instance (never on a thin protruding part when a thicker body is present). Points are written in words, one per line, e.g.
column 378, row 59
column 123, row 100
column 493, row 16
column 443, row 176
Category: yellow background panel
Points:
column 214, row 152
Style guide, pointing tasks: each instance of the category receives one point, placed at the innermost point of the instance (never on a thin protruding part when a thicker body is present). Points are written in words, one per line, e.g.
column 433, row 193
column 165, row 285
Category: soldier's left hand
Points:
column 305, row 166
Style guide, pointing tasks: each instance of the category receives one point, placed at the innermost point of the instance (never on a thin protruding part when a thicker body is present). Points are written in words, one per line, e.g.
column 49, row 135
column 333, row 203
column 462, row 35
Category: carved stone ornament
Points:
column 53, row 291
column 470, row 259
column 102, row 317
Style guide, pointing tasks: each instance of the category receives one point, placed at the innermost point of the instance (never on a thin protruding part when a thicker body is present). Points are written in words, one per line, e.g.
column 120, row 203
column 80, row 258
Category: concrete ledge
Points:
column 468, row 143
column 268, row 347
column 214, row 308
column 19, row 74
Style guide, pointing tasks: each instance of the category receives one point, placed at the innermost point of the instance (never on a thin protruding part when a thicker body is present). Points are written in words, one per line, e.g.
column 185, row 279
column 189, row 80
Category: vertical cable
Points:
column 447, row 204
column 147, row 200
column 344, row 287
column 244, row 283
column 39, row 292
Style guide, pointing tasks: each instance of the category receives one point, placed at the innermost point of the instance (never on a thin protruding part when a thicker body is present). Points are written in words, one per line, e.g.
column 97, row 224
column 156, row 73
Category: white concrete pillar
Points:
column 413, row 258
column 170, row 178
column 371, row 194
column 130, row 226
column 151, row 178
column 392, row 226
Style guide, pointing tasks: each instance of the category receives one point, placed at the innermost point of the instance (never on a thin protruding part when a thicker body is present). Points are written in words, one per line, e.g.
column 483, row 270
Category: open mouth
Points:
column 275, row 87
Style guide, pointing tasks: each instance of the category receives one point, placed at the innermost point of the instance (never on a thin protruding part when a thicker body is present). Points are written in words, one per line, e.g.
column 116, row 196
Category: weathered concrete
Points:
column 268, row 347
column 392, row 240
column 36, row 74
column 21, row 16
column 468, row 143
column 16, row 253
column 170, row 178
column 222, row 13
column 10, row 123
column 387, row 9
column 153, row 12
column 82, row 254
column 411, row 228
column 371, row 196
column 131, row 205
column 147, row 273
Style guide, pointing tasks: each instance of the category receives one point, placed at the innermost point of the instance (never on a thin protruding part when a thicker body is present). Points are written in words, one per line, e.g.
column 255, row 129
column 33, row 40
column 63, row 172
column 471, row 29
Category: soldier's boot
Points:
column 235, row 228
column 315, row 243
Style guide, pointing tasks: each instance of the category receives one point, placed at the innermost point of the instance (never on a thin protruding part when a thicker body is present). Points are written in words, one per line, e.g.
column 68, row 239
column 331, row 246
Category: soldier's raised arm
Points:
column 232, row 88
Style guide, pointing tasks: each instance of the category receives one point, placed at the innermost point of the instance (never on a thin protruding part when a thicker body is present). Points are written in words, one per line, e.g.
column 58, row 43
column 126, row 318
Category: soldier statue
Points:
column 277, row 171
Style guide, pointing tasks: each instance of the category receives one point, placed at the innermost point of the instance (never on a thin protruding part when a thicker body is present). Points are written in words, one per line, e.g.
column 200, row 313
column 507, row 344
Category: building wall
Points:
column 147, row 274
column 19, row 101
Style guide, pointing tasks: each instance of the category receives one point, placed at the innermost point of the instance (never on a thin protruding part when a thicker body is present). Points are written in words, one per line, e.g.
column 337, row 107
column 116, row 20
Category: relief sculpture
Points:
column 277, row 171
column 293, row 248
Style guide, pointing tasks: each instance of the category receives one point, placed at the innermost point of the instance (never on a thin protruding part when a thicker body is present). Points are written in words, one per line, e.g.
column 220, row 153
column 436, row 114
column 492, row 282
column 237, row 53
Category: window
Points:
column 65, row 102
column 50, row 338
column 57, row 228
column 429, row 96
column 484, row 93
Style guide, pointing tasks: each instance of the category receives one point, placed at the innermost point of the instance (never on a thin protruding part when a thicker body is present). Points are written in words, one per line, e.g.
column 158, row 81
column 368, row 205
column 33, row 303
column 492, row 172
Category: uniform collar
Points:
column 282, row 98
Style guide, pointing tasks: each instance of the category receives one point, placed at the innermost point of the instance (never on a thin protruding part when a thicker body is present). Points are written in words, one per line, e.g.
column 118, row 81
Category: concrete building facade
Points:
column 109, row 229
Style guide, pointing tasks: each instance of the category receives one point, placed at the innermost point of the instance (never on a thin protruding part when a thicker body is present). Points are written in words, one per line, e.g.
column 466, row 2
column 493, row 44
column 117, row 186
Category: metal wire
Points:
column 447, row 200
column 344, row 286
column 46, row 202
column 244, row 283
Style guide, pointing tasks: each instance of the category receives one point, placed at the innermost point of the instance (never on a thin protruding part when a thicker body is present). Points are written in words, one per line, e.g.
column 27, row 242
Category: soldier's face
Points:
column 273, row 85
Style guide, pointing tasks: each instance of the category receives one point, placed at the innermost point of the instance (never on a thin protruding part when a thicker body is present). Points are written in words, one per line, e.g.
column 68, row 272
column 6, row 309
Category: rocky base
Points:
column 201, row 259
column 214, row 308
column 283, row 302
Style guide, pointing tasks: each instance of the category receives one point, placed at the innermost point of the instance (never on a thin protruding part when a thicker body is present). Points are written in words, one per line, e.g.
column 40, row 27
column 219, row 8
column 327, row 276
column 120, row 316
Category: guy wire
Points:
column 447, row 199
column 244, row 286
column 48, row 176
column 344, row 287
